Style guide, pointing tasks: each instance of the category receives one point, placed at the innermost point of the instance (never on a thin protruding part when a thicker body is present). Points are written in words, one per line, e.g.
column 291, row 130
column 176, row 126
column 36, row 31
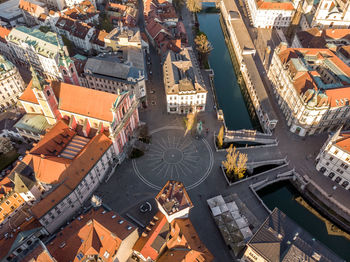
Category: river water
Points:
column 282, row 195
column 229, row 96
column 232, row 102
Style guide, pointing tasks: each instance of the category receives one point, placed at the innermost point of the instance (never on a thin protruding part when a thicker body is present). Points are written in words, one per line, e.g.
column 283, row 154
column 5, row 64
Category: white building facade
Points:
column 312, row 92
column 117, row 72
column 332, row 14
column 70, row 204
column 45, row 51
column 269, row 14
column 11, row 84
column 184, row 86
column 333, row 160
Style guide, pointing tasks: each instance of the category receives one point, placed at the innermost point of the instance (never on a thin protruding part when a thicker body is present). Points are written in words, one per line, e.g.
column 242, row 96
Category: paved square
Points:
column 174, row 156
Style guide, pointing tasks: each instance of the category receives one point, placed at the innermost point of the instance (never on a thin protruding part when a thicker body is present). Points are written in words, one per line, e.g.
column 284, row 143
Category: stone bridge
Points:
column 245, row 135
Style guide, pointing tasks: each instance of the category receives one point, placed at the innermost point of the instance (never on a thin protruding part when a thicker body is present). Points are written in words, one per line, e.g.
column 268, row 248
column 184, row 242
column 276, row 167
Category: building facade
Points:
column 116, row 72
column 78, row 32
column 184, row 86
column 332, row 14
column 334, row 158
column 45, row 51
column 269, row 14
column 312, row 87
column 279, row 238
column 11, row 84
column 4, row 47
column 116, row 113
column 32, row 11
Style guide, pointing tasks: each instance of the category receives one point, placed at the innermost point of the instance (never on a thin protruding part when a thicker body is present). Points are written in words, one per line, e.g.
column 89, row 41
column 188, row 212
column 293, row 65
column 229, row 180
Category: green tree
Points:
column 194, row 6
column 203, row 47
column 220, row 137
column 105, row 23
column 44, row 29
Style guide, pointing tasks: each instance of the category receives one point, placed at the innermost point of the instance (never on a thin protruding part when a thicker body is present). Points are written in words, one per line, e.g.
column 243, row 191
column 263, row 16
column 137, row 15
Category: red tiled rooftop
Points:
column 93, row 233
column 144, row 244
column 275, row 5
column 74, row 173
column 79, row 100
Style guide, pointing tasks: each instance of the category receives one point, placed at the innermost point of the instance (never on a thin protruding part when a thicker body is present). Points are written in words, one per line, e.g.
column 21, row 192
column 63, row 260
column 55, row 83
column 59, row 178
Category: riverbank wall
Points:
column 244, row 50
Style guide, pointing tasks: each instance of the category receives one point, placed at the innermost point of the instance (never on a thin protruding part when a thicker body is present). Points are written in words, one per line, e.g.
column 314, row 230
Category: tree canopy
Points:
column 194, row 6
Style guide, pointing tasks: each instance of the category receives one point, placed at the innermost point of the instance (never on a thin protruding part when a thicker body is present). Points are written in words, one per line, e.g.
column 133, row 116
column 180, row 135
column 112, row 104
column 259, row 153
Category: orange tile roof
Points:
column 173, row 197
column 189, row 239
column 44, row 158
column 275, row 5
column 29, row 7
column 28, row 95
column 338, row 94
column 144, row 244
column 85, row 101
column 54, row 141
column 79, row 100
column 304, row 80
column 4, row 32
column 49, row 170
column 183, row 237
column 336, row 33
column 74, row 173
column 343, row 141
column 39, row 254
column 93, row 233
column 6, row 186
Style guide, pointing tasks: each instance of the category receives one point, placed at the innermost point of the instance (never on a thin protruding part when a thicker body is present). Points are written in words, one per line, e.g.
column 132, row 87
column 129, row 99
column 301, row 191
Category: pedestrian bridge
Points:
column 258, row 156
column 245, row 135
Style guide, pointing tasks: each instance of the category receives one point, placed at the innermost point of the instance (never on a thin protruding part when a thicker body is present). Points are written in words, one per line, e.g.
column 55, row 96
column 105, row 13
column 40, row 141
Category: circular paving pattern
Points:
column 174, row 156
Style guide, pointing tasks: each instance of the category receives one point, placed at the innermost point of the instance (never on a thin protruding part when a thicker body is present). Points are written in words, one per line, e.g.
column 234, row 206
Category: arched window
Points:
column 71, row 70
column 48, row 92
column 64, row 72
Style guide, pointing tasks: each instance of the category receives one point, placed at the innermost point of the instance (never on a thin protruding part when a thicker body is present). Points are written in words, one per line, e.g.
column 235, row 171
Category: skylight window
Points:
column 80, row 256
